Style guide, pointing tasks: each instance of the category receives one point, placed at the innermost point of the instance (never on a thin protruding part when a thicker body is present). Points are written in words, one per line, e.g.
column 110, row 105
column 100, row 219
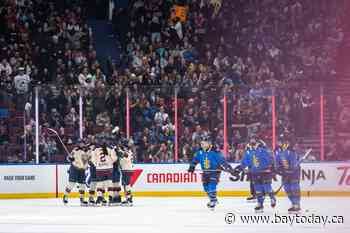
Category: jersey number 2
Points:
column 103, row 158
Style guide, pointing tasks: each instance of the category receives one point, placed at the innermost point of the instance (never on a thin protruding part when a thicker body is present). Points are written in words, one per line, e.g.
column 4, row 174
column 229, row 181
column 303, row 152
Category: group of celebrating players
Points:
column 106, row 167
column 110, row 165
column 261, row 165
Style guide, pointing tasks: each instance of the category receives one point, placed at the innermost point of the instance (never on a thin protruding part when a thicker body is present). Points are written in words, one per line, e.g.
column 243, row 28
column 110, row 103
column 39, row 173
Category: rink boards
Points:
column 48, row 181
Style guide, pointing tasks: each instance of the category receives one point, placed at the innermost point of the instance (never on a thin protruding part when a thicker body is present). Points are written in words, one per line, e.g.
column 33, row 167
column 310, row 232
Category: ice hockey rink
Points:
column 163, row 215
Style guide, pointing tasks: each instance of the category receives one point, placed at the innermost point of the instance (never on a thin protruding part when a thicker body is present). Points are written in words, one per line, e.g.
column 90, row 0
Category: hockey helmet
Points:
column 253, row 142
column 81, row 142
column 284, row 142
column 205, row 142
column 124, row 142
column 205, row 138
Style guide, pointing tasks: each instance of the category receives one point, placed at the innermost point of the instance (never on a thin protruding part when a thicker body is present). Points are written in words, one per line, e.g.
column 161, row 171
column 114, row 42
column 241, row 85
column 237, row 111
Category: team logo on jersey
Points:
column 285, row 164
column 256, row 161
column 206, row 163
column 87, row 177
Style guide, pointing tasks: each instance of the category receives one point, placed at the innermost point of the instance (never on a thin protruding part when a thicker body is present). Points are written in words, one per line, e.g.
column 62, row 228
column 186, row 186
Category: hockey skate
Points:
column 110, row 201
column 117, row 201
column 104, row 202
column 259, row 209
column 65, row 199
column 100, row 201
column 83, row 202
column 212, row 204
column 91, row 201
column 295, row 209
column 273, row 202
column 127, row 202
column 251, row 199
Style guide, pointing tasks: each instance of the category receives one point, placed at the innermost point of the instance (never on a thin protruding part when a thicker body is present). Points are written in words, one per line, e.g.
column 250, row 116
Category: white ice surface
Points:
column 163, row 215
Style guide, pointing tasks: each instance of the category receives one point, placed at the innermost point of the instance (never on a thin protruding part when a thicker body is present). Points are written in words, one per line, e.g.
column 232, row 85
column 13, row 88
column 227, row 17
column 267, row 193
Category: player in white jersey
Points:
column 91, row 179
column 79, row 162
column 125, row 157
column 102, row 159
column 114, row 191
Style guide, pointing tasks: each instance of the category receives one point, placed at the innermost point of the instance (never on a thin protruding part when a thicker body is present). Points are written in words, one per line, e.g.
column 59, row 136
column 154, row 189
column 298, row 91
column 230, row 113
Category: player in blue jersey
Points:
column 288, row 166
column 212, row 163
column 260, row 164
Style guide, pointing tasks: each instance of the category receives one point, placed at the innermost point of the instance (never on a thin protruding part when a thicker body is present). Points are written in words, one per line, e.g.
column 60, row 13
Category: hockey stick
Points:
column 307, row 153
column 210, row 170
column 59, row 138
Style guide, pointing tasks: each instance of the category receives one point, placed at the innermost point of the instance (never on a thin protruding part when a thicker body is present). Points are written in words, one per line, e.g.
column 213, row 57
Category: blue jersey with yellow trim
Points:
column 209, row 160
column 287, row 161
column 257, row 160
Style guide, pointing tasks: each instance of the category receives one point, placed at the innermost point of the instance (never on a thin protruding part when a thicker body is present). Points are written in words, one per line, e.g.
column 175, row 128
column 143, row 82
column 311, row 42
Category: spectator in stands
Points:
column 106, row 134
column 155, row 29
column 86, row 79
column 28, row 110
column 103, row 119
column 5, row 66
column 15, row 157
column 163, row 154
column 21, row 83
column 6, row 88
column 344, row 120
column 4, row 133
column 72, row 118
column 55, row 119
column 49, row 149
column 161, row 117
column 333, row 151
column 198, row 134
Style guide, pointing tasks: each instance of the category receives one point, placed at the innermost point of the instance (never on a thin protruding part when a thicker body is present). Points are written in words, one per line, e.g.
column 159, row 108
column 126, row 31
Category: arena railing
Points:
column 166, row 122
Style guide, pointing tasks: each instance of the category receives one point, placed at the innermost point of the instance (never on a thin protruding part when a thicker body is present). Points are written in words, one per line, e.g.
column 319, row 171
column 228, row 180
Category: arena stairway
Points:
column 105, row 43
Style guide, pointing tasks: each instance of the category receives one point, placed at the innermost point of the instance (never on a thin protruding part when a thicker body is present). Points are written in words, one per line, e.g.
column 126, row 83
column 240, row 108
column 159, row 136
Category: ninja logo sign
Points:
column 312, row 175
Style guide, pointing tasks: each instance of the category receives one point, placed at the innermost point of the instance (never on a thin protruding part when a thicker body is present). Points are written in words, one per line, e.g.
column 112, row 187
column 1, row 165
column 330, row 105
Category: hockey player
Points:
column 288, row 166
column 125, row 157
column 260, row 164
column 252, row 196
column 79, row 162
column 102, row 159
column 212, row 163
column 91, row 176
column 263, row 145
column 114, row 191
